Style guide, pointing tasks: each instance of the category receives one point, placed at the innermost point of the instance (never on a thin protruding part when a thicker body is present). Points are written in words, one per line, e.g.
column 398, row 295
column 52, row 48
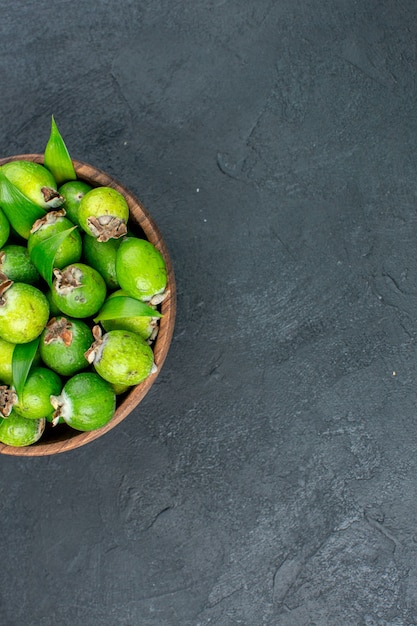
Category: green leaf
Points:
column 56, row 157
column 19, row 210
column 23, row 355
column 124, row 306
column 43, row 254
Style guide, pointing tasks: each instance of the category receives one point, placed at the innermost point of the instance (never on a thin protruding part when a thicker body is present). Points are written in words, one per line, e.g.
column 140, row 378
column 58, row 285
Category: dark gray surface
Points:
column 269, row 477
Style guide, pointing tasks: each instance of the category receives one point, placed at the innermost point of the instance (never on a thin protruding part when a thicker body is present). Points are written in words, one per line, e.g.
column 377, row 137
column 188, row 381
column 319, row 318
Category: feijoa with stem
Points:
column 35, row 182
column 18, row 431
column 63, row 344
column 121, row 357
column 103, row 213
column 86, row 402
column 24, row 311
column 55, row 222
column 78, row 290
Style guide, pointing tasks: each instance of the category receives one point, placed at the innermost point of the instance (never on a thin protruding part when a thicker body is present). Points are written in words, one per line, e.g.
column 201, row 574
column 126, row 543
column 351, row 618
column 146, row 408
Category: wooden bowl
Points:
column 62, row 438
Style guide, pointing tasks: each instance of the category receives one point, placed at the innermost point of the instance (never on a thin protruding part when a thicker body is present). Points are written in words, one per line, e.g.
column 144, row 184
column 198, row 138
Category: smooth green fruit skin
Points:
column 18, row 431
column 4, row 228
column 102, row 201
column 29, row 177
column 140, row 268
column 67, row 360
column 124, row 358
column 140, row 325
column 23, row 314
column 6, row 356
column 18, row 266
column 102, row 256
column 83, row 301
column 54, row 311
column 89, row 401
column 70, row 249
column 34, row 402
column 73, row 192
column 119, row 389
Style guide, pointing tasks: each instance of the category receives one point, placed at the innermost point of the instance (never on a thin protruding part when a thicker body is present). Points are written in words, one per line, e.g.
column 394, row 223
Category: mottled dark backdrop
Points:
column 269, row 478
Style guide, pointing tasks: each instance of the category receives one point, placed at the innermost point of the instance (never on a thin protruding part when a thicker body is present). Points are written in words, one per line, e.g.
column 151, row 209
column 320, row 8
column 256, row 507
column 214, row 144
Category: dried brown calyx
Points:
column 106, row 227
column 52, row 197
column 157, row 298
column 50, row 218
column 5, row 284
column 154, row 324
column 8, row 398
column 68, row 279
column 58, row 404
column 94, row 351
column 58, row 330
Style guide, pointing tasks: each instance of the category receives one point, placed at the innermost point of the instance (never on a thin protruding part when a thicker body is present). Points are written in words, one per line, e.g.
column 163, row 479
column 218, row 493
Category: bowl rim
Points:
column 142, row 220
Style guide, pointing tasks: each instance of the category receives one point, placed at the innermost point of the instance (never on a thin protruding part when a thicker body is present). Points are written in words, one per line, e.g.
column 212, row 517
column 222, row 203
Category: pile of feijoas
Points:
column 79, row 296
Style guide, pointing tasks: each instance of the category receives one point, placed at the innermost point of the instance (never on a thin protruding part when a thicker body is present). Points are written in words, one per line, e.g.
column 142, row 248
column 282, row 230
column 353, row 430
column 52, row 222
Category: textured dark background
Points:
column 269, row 477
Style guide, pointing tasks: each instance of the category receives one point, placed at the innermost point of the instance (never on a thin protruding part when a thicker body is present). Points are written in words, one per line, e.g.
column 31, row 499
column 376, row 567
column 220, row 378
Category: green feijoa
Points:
column 4, row 228
column 73, row 191
column 34, row 402
column 141, row 269
column 18, row 431
column 103, row 213
column 55, row 222
column 145, row 327
column 16, row 263
column 35, row 182
column 102, row 256
column 63, row 344
column 78, row 290
column 119, row 389
column 121, row 357
column 24, row 311
column 87, row 402
column 54, row 311
column 6, row 356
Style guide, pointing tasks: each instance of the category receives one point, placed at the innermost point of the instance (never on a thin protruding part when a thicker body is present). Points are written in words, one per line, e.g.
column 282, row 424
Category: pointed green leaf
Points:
column 124, row 306
column 19, row 210
column 56, row 157
column 43, row 254
column 22, row 360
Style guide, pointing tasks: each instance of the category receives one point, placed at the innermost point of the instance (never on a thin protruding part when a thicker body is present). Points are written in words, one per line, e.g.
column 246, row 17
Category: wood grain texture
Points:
column 65, row 438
